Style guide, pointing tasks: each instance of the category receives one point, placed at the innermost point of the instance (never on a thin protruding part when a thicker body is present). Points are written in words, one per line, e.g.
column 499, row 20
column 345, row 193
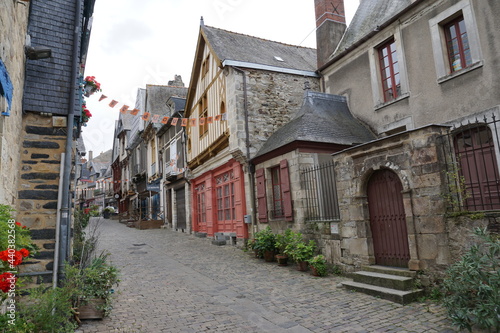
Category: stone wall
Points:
column 43, row 141
column 273, row 100
column 415, row 158
column 14, row 21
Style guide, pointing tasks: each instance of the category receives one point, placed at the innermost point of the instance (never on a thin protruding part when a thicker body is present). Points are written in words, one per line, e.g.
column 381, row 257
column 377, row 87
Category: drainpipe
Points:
column 65, row 220
column 58, row 223
column 250, row 166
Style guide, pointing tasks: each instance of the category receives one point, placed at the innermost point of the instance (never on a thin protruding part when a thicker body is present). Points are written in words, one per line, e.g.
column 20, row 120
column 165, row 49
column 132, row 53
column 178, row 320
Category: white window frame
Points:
column 439, row 47
column 376, row 75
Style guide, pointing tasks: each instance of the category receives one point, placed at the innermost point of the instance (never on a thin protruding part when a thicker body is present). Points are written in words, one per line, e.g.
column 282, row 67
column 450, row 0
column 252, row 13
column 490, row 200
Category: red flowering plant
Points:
column 86, row 115
column 15, row 247
column 90, row 86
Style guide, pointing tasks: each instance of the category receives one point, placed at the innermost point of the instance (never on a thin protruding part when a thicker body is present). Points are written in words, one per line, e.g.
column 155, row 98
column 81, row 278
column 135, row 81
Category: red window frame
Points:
column 277, row 193
column 457, row 44
column 202, row 212
column 224, row 194
column 389, row 70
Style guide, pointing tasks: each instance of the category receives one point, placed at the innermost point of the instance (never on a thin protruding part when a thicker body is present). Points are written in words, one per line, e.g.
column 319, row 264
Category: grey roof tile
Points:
column 370, row 14
column 323, row 118
column 233, row 46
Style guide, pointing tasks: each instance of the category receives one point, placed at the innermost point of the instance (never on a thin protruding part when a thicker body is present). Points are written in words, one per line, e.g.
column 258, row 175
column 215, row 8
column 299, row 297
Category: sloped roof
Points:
column 179, row 103
column 370, row 15
column 323, row 118
column 243, row 48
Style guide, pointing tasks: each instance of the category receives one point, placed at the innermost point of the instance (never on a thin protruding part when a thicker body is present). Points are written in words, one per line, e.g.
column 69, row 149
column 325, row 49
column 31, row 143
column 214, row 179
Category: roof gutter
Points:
column 245, row 64
column 368, row 36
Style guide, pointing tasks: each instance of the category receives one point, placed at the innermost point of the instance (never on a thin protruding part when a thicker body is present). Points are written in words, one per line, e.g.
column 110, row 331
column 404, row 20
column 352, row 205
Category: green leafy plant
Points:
column 94, row 281
column 303, row 251
column 318, row 263
column 283, row 240
column 472, row 286
column 265, row 240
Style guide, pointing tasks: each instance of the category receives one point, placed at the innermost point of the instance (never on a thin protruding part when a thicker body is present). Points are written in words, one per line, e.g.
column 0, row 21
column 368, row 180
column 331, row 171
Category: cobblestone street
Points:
column 174, row 282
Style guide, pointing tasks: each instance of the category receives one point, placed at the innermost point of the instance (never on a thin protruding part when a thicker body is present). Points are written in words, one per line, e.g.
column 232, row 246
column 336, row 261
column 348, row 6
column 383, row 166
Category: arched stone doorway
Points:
column 388, row 219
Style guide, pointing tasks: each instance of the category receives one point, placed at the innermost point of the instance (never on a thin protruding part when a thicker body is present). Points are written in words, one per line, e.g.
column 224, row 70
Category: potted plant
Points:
column 106, row 213
column 90, row 86
column 94, row 287
column 318, row 265
column 265, row 243
column 302, row 252
column 283, row 242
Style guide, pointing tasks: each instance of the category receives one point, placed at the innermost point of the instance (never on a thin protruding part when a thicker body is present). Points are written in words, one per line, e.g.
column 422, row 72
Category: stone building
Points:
column 14, row 18
column 57, row 39
column 431, row 98
column 242, row 89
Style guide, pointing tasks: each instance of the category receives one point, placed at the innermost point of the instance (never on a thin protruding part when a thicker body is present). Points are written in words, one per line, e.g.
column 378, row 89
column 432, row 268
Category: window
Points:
column 224, row 193
column 277, row 196
column 388, row 74
column 205, row 66
column 455, row 41
column 200, row 196
column 457, row 44
column 203, row 116
column 389, row 71
column 280, row 197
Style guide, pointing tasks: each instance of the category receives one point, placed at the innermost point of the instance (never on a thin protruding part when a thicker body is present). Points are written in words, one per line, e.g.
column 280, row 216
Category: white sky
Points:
column 134, row 43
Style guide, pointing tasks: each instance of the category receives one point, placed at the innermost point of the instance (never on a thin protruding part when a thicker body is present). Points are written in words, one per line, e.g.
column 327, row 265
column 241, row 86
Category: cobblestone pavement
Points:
column 175, row 282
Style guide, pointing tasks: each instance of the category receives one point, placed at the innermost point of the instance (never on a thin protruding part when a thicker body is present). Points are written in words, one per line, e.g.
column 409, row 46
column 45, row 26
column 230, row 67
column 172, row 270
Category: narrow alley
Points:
column 175, row 282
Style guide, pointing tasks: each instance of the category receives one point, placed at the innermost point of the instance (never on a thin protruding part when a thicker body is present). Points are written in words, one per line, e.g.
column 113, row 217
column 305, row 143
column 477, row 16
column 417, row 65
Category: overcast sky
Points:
column 148, row 42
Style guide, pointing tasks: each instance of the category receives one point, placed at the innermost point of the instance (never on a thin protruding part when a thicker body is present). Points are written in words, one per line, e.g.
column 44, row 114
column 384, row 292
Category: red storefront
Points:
column 219, row 201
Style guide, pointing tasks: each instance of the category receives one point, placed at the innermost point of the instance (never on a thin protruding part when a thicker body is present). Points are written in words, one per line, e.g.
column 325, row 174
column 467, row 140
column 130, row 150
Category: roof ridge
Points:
column 260, row 38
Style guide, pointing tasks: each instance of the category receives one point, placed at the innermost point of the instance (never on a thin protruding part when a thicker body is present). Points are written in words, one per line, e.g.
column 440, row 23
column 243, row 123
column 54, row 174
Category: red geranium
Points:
column 15, row 259
column 20, row 225
column 24, row 252
column 6, row 280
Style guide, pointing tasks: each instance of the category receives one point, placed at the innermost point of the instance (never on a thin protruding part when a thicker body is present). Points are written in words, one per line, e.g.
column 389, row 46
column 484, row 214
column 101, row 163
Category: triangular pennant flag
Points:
column 192, row 122
column 224, row 116
column 217, row 117
column 102, row 97
column 113, row 103
column 184, row 122
column 124, row 109
column 134, row 112
column 165, row 120
column 202, row 121
column 174, row 121
column 210, row 120
column 146, row 116
column 156, row 118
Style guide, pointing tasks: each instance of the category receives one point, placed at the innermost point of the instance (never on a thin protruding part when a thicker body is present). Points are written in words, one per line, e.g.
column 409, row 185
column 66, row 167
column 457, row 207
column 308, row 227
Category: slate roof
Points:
column 239, row 47
column 370, row 15
column 180, row 103
column 323, row 118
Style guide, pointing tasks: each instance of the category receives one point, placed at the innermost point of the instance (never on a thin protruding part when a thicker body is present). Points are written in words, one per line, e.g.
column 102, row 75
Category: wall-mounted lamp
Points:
column 38, row 52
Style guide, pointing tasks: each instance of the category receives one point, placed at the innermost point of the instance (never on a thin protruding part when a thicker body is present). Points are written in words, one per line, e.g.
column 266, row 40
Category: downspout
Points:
column 58, row 223
column 250, row 166
column 65, row 228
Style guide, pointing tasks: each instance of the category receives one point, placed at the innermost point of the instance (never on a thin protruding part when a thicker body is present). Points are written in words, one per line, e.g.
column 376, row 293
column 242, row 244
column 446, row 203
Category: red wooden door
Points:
column 387, row 219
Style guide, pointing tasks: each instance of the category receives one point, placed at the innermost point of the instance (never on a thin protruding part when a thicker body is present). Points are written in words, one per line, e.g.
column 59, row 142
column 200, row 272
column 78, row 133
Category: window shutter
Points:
column 286, row 191
column 261, row 195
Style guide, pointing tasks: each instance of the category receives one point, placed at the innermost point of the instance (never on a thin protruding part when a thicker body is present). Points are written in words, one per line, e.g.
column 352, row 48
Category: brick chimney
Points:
column 330, row 27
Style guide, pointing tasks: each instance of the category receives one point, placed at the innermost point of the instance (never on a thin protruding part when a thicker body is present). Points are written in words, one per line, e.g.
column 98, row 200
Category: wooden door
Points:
column 387, row 219
column 180, row 200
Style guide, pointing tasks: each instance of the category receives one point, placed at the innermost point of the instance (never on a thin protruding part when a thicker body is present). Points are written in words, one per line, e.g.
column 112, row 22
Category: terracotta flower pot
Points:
column 269, row 256
column 302, row 266
column 282, row 259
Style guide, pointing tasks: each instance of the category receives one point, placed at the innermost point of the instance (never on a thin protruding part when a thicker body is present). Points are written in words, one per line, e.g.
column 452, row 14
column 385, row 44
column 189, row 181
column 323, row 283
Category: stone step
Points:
column 397, row 296
column 390, row 270
column 384, row 280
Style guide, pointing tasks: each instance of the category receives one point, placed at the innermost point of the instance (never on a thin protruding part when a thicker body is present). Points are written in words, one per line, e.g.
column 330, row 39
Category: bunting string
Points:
column 158, row 118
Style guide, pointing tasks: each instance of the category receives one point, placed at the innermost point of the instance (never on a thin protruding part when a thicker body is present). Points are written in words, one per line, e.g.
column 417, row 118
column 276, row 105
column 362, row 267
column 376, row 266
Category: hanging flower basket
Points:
column 90, row 86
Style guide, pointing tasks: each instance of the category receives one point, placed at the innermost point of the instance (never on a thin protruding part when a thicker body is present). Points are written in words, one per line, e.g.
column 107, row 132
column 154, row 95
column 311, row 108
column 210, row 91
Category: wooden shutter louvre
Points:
column 286, row 190
column 261, row 195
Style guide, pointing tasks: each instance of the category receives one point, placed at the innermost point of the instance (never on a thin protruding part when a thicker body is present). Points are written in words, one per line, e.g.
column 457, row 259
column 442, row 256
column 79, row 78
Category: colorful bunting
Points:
column 102, row 97
column 165, row 120
column 113, row 103
column 184, row 122
column 124, row 109
column 146, row 116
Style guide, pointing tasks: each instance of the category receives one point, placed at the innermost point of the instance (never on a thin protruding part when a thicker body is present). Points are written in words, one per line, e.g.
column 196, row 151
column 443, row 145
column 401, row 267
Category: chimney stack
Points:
column 330, row 27
column 91, row 155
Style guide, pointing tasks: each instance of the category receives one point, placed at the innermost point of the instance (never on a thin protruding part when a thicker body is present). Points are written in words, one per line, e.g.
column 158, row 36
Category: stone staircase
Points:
column 393, row 284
